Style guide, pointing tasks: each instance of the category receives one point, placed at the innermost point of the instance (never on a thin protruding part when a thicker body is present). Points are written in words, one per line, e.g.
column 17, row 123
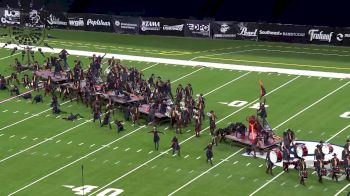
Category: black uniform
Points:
column 156, row 138
column 175, row 146
column 335, row 167
column 302, row 168
column 319, row 166
column 209, row 153
column 106, row 120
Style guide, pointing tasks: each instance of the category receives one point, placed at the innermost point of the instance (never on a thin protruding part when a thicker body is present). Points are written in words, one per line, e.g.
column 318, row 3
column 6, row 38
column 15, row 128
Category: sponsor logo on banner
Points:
column 11, row 17
column 123, row 25
column 173, row 27
column 279, row 33
column 316, row 34
column 243, row 31
column 150, row 26
column 224, row 28
column 53, row 20
column 202, row 29
column 98, row 22
column 77, row 22
column 34, row 17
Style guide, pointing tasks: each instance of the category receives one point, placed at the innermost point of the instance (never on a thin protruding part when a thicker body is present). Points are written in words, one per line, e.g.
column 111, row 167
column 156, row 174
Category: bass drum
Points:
column 273, row 157
column 302, row 150
column 327, row 149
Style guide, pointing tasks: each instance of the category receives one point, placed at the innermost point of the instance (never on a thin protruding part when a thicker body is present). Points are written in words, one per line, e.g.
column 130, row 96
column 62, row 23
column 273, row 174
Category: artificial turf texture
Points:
column 40, row 152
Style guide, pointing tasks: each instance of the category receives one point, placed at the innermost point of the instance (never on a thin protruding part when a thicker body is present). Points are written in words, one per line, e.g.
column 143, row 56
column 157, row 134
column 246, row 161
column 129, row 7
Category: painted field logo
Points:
column 86, row 189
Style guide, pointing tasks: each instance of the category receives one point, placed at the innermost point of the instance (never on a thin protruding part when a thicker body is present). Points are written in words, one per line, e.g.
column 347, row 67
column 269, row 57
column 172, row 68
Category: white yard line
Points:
column 77, row 160
column 189, row 182
column 205, row 64
column 32, row 116
column 159, row 155
column 343, row 189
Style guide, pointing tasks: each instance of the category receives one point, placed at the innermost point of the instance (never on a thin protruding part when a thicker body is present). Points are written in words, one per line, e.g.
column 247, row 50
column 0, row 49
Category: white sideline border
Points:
column 200, row 63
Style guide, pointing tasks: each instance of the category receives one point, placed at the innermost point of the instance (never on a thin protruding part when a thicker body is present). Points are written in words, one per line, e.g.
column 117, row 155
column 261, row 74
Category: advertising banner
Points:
column 247, row 30
column 283, row 33
column 126, row 24
column 224, row 30
column 320, row 35
column 162, row 26
column 197, row 28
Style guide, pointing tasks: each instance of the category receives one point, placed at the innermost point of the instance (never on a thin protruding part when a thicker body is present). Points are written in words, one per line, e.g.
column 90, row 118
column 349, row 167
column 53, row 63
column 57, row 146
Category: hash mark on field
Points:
column 139, row 150
column 296, row 185
column 5, row 111
column 105, row 161
column 57, row 155
column 178, row 170
column 1, row 134
column 235, row 162
column 127, row 149
column 198, row 157
column 242, row 178
column 35, row 139
column 191, row 171
column 313, row 173
column 23, row 137
column 186, row 156
column 150, row 152
column 165, row 168
column 298, row 131
column 70, row 142
column 58, row 141
column 325, row 189
column 309, row 77
column 81, row 143
column 229, row 176
column 69, row 157
column 58, row 116
column 33, row 153
column 69, row 106
column 154, row 166
column 93, row 145
column 256, row 179
column 116, row 162
column 129, row 163
column 311, row 187
column 15, row 112
column 12, row 136
column 45, row 154
column 47, row 115
column 166, row 128
column 26, row 113
column 247, row 164
column 323, row 133
column 188, row 131
column 283, row 183
column 18, row 100
column 261, row 165
column 216, row 175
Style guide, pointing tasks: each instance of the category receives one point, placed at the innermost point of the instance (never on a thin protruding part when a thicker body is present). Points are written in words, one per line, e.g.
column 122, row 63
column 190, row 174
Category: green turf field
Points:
column 41, row 154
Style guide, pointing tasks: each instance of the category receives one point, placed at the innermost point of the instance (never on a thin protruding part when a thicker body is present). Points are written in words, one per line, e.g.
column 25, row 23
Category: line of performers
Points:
column 319, row 163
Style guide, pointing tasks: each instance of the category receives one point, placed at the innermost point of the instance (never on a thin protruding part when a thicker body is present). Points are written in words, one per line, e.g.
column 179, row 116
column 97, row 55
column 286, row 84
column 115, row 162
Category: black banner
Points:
column 55, row 20
column 126, row 25
column 283, row 33
column 224, row 30
column 247, row 30
column 162, row 26
column 320, row 35
column 342, row 36
column 197, row 28
column 99, row 23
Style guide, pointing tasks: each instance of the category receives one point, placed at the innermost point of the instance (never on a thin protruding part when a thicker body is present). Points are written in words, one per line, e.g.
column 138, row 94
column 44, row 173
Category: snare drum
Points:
column 347, row 170
column 324, row 172
column 336, row 170
column 303, row 173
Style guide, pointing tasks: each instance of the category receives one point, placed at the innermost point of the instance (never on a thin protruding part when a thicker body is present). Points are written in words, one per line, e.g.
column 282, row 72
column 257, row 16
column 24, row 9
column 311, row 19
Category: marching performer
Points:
column 302, row 170
column 212, row 120
column 347, row 166
column 269, row 163
column 209, row 153
column 320, row 169
column 286, row 157
column 156, row 137
column 335, row 167
column 175, row 146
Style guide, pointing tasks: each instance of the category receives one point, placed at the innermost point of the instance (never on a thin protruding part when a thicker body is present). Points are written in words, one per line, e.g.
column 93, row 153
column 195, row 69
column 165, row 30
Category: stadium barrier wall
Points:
column 183, row 28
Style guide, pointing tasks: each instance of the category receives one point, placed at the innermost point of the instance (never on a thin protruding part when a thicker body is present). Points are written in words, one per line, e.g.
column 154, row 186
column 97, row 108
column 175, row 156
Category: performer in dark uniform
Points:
column 318, row 152
column 209, row 153
column 72, row 117
column 197, row 124
column 212, row 122
column 319, row 167
column 335, row 167
column 286, row 157
column 106, row 120
column 302, row 171
column 96, row 115
column 344, row 152
column 175, row 146
column 38, row 99
column 269, row 163
column 347, row 166
column 156, row 137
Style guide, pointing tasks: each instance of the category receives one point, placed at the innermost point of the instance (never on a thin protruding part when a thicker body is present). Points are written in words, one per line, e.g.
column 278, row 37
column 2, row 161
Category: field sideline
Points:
column 42, row 155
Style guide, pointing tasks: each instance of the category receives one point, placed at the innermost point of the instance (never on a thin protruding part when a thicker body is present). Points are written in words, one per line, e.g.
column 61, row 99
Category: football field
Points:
column 41, row 154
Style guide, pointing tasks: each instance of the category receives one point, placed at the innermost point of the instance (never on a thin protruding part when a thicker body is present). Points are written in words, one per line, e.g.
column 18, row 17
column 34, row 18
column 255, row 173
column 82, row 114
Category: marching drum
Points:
column 303, row 173
column 327, row 148
column 302, row 150
column 347, row 170
column 336, row 170
column 324, row 172
column 279, row 155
